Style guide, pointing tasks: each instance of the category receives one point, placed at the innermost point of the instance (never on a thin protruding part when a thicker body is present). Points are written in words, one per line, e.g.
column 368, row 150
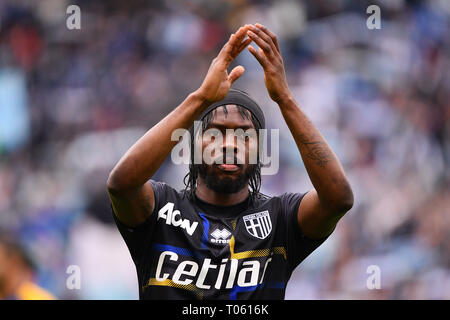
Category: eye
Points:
column 212, row 133
column 215, row 133
column 241, row 135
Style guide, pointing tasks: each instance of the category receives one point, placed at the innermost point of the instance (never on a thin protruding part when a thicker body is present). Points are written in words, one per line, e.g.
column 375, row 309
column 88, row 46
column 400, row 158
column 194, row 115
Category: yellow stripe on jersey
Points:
column 171, row 283
column 254, row 253
column 233, row 224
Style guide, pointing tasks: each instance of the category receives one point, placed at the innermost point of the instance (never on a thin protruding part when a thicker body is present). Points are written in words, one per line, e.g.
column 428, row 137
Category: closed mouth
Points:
column 228, row 167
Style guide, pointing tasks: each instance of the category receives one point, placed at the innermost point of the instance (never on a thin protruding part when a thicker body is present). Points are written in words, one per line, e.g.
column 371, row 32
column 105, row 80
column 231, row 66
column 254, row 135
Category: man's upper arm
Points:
column 314, row 220
column 133, row 207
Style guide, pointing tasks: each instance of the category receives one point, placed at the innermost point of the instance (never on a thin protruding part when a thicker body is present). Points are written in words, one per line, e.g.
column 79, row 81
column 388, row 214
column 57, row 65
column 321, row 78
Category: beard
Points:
column 223, row 183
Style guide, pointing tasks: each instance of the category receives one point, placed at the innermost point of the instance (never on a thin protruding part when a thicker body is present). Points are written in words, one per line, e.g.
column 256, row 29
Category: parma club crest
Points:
column 258, row 224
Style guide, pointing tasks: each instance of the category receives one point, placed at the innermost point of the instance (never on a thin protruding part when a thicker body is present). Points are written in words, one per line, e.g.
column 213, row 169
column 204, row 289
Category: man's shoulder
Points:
column 282, row 196
column 163, row 187
column 265, row 200
column 283, row 202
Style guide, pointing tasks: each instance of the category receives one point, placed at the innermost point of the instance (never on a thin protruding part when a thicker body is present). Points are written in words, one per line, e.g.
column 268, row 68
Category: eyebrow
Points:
column 224, row 127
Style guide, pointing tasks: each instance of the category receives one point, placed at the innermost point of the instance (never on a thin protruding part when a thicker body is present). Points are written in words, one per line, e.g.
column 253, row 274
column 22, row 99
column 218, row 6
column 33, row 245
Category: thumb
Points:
column 236, row 73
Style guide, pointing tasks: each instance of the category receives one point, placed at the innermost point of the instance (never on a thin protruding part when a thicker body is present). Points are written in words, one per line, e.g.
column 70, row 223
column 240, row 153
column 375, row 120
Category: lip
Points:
column 228, row 167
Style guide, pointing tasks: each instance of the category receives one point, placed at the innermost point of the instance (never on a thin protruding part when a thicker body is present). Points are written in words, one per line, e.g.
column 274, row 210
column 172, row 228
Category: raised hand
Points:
column 269, row 56
column 218, row 81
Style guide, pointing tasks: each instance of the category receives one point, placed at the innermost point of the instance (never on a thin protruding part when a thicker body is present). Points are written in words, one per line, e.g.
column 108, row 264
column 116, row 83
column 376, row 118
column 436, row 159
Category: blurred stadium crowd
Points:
column 73, row 101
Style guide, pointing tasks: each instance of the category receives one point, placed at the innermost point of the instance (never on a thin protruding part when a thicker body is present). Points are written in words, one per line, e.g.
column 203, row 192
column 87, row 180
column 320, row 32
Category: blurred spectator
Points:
column 16, row 274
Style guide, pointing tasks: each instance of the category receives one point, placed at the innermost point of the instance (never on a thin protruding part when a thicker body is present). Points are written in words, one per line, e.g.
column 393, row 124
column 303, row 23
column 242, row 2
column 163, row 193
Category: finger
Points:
column 261, row 43
column 270, row 34
column 265, row 37
column 236, row 73
column 237, row 38
column 260, row 57
column 234, row 45
column 225, row 53
column 241, row 32
column 244, row 44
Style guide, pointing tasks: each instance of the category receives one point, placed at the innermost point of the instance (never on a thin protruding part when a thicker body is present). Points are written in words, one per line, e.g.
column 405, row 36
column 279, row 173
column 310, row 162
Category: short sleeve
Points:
column 138, row 238
column 298, row 246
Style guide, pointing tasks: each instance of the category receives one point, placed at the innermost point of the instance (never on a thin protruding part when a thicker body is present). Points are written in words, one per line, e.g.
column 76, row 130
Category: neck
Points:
column 219, row 199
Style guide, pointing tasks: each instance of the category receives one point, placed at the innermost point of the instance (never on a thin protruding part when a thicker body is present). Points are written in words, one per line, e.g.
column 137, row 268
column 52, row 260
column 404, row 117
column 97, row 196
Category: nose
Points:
column 230, row 143
column 232, row 150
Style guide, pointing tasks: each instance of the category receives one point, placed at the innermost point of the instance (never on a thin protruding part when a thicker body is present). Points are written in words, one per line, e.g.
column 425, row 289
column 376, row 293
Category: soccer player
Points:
column 220, row 238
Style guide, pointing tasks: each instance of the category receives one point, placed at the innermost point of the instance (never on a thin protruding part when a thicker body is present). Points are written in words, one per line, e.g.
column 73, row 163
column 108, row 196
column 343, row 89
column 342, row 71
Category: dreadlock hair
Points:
column 190, row 179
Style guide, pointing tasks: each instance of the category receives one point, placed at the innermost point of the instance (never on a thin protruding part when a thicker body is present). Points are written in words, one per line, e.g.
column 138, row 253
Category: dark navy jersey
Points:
column 188, row 249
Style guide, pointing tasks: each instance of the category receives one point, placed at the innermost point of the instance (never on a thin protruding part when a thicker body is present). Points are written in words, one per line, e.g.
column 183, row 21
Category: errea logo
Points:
column 220, row 236
column 173, row 217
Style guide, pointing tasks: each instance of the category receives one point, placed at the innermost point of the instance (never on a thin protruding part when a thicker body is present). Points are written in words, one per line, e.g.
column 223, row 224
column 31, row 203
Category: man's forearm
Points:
column 323, row 167
column 144, row 158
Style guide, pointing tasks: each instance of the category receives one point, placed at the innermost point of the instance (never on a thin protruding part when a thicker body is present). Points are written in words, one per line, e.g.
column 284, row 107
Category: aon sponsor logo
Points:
column 173, row 217
column 226, row 274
